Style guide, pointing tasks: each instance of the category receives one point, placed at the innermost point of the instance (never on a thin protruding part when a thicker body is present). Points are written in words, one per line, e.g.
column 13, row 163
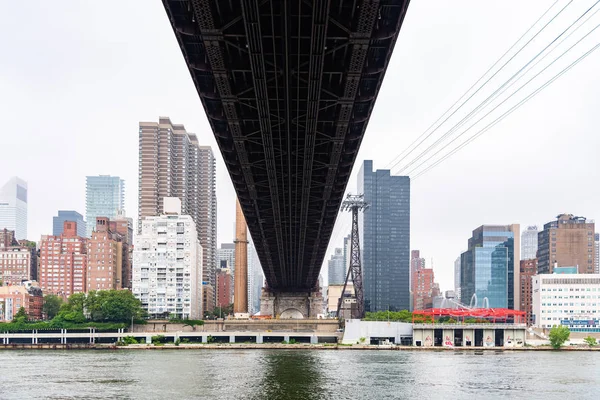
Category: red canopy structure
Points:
column 493, row 314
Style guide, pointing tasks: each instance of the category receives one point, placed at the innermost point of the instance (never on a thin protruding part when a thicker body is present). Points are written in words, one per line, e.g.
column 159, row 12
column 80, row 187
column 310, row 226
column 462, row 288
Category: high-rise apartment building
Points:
column 105, row 197
column 167, row 267
column 385, row 239
column 58, row 222
column 63, row 262
column 457, row 289
column 13, row 207
column 173, row 164
column 490, row 268
column 528, row 270
column 335, row 268
column 529, row 243
column 424, row 288
column 123, row 226
column 105, row 257
column 567, row 242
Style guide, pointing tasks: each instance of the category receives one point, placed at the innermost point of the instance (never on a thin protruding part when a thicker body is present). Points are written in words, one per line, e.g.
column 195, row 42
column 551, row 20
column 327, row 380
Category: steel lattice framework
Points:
column 288, row 87
column 354, row 204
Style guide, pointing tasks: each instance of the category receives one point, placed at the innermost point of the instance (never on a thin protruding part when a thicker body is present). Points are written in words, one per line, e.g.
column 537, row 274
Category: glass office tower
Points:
column 105, row 197
column 13, row 207
column 385, row 239
column 490, row 267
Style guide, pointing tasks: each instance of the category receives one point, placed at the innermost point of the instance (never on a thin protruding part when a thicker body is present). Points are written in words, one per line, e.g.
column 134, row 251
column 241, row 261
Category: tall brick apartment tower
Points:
column 63, row 262
column 173, row 164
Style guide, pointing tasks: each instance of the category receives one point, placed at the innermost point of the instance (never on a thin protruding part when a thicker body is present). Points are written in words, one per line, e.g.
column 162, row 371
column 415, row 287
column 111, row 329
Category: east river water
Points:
column 298, row 374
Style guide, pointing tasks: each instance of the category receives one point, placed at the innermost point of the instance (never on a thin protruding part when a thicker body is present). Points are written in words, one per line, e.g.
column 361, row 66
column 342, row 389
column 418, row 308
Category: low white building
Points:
column 167, row 264
column 567, row 299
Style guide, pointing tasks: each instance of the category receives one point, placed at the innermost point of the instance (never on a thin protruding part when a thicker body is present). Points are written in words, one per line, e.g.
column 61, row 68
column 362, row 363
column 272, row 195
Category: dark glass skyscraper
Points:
column 385, row 239
column 490, row 267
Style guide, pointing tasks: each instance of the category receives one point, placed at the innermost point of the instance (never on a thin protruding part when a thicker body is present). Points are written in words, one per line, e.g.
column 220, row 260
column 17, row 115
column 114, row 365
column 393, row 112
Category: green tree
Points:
column 591, row 341
column 559, row 335
column 94, row 303
column 52, row 305
column 219, row 312
column 120, row 306
column 73, row 310
column 21, row 316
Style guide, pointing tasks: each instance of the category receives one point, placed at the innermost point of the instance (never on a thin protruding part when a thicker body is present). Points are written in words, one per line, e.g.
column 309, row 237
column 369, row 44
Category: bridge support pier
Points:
column 292, row 305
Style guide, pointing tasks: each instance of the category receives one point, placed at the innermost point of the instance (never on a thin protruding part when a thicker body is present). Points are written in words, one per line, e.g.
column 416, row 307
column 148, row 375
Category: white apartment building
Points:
column 567, row 299
column 167, row 264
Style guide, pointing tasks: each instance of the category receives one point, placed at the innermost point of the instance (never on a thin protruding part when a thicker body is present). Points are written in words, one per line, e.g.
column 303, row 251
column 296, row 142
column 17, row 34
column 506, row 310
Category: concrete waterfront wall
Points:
column 274, row 325
column 355, row 330
column 65, row 337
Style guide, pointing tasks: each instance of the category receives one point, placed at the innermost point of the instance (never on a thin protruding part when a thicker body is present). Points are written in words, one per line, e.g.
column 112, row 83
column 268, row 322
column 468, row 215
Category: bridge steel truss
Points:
column 288, row 87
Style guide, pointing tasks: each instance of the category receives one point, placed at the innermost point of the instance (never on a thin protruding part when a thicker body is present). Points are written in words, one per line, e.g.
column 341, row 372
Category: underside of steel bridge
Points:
column 288, row 87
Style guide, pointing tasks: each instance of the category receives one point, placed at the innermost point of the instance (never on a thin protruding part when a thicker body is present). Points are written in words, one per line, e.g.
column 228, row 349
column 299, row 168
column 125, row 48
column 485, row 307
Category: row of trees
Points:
column 109, row 309
column 400, row 316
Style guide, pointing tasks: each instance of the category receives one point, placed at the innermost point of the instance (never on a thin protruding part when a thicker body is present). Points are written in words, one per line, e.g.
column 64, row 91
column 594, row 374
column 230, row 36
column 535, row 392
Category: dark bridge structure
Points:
column 288, row 87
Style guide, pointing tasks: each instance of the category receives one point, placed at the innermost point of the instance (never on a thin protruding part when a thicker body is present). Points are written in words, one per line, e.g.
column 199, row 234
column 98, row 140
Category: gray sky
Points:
column 76, row 77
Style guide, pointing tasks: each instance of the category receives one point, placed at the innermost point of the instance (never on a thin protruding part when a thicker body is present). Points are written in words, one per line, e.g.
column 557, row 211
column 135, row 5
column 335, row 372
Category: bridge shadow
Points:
column 292, row 375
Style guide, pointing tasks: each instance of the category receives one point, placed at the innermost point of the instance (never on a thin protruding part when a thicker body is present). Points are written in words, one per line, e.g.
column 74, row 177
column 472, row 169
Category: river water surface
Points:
column 298, row 374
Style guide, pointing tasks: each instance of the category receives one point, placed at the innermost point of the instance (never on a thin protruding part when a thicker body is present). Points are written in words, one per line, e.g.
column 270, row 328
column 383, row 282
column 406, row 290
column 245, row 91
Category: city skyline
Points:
column 404, row 110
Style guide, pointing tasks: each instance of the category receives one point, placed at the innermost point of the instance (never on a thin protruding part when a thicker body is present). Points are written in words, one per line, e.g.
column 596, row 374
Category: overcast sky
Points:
column 76, row 77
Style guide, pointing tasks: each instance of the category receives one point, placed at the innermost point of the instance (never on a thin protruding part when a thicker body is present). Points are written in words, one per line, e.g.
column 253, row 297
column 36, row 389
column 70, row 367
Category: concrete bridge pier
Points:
column 292, row 305
column 259, row 339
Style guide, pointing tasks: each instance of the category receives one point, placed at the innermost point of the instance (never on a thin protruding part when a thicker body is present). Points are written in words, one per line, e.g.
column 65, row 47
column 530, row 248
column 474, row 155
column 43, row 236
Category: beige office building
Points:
column 567, row 242
column 173, row 164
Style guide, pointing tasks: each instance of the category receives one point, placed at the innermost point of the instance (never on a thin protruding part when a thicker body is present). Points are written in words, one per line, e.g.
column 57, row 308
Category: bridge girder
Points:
column 288, row 88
